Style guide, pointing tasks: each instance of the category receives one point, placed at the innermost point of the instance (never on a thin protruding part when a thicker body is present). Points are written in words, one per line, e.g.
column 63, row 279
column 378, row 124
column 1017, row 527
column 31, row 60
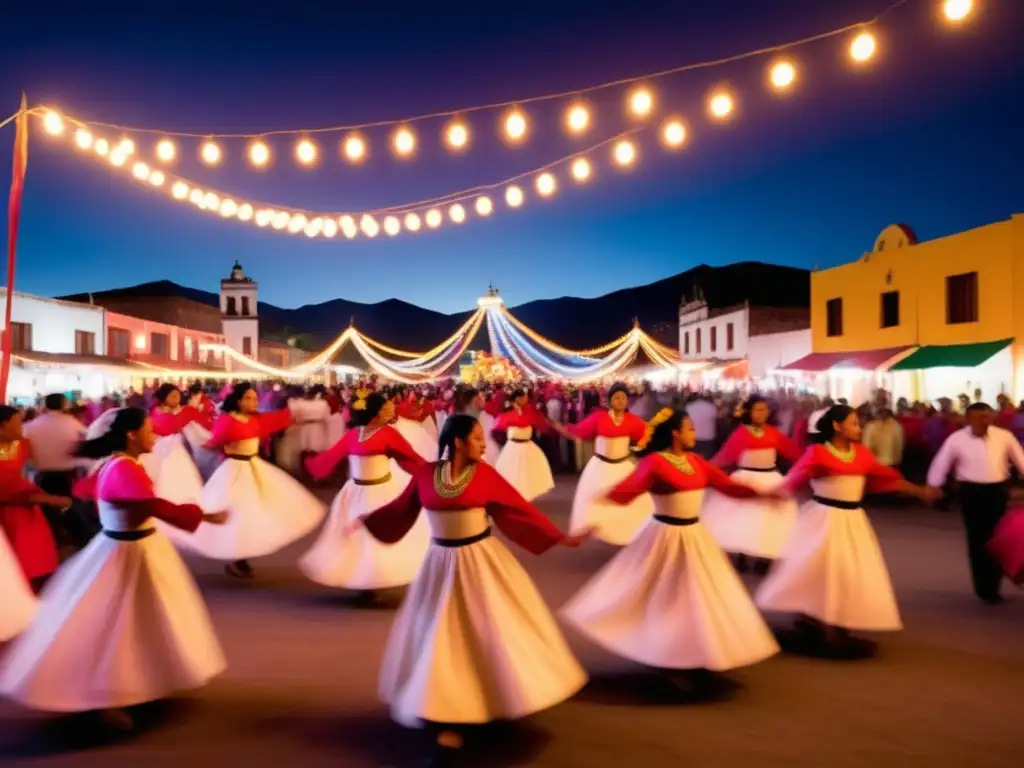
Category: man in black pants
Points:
column 981, row 455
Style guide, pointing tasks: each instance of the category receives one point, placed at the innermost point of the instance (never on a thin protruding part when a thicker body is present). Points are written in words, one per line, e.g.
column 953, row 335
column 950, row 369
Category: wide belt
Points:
column 240, row 457
column 669, row 520
column 757, row 469
column 521, row 439
column 136, row 535
column 465, row 542
column 374, row 481
column 837, row 503
column 608, row 460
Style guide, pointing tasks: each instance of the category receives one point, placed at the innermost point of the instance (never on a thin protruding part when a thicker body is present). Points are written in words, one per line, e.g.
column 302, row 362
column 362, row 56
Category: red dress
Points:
column 386, row 441
column 473, row 641
column 521, row 460
column 167, row 422
column 238, row 437
column 22, row 522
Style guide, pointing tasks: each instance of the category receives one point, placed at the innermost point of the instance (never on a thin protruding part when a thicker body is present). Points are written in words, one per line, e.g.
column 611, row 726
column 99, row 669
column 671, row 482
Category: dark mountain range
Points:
column 572, row 322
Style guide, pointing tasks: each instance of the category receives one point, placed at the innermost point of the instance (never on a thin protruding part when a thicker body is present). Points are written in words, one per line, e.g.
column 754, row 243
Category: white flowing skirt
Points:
column 611, row 523
column 474, row 642
column 526, row 467
column 17, row 603
column 671, row 599
column 832, row 569
column 174, row 474
column 267, row 510
column 359, row 561
column 120, row 624
column 493, row 447
column 418, row 438
column 755, row 527
column 206, row 459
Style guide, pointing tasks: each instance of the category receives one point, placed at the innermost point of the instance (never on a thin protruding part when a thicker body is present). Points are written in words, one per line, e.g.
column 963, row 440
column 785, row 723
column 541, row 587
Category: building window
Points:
column 232, row 309
column 834, row 317
column 730, row 339
column 714, row 338
column 188, row 348
column 159, row 344
column 890, row 307
column 245, row 305
column 247, row 346
column 686, row 343
column 696, row 338
column 85, row 343
column 119, row 342
column 21, row 337
column 962, row 298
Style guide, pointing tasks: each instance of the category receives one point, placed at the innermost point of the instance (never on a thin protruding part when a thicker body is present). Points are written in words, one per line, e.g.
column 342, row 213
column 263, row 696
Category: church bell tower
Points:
column 239, row 313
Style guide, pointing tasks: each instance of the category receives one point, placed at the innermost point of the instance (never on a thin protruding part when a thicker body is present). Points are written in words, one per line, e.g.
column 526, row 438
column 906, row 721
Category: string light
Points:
column 782, row 75
column 211, row 201
column 118, row 158
column 165, row 151
column 263, row 217
column 228, row 208
column 514, row 196
column 404, row 141
column 515, row 126
column 348, row 227
column 457, row 213
column 127, row 146
column 720, row 105
column 546, row 185
column 259, row 153
column 330, row 227
column 956, row 11
column 434, row 218
column 279, row 220
column 140, row 171
column 369, row 226
column 392, row 226
column 102, row 147
column 863, row 47
column 53, row 123
column 641, row 102
column 297, row 223
column 624, row 152
column 156, row 178
column 483, row 205
column 457, row 135
column 577, row 119
column 305, row 152
column 354, row 148
column 673, row 133
column 83, row 139
column 179, row 190
column 412, row 222
column 210, row 152
column 245, row 212
column 581, row 169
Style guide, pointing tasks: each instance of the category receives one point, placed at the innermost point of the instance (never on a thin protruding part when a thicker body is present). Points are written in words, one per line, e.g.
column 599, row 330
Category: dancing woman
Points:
column 175, row 475
column 613, row 431
column 473, row 641
column 268, row 509
column 197, row 433
column 411, row 417
column 521, row 460
column 670, row 599
column 756, row 528
column 360, row 562
column 123, row 622
column 831, row 571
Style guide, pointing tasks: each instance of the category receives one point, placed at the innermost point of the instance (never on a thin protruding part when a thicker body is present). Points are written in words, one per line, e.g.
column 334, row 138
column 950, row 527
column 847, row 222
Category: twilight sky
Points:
column 929, row 135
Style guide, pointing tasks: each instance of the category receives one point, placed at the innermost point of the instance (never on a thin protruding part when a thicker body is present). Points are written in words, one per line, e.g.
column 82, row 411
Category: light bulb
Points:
column 259, row 153
column 577, row 119
column 673, row 133
column 720, row 105
column 330, row 227
column 434, row 218
column 641, row 102
column 157, row 178
column 392, row 226
column 244, row 212
column 457, row 135
column 412, row 222
column 515, row 126
column 53, row 123
column 348, row 226
column 546, row 185
column 404, row 141
column 165, row 151
column 179, row 190
column 782, row 75
column 514, row 196
column 863, row 47
column 581, row 169
column 228, row 208
column 140, row 171
column 281, row 219
column 625, row 152
column 305, row 152
column 484, row 206
column 83, row 139
column 354, row 148
column 457, row 213
column 956, row 11
column 296, row 223
column 369, row 226
column 210, row 153
column 102, row 147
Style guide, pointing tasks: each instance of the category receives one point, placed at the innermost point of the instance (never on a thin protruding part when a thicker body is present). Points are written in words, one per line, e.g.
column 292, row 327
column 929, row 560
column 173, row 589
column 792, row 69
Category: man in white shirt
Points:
column 981, row 455
column 704, row 416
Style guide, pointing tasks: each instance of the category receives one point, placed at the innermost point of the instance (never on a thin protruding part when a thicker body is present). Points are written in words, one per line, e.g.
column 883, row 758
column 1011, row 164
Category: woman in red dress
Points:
column 521, row 460
column 175, row 475
column 21, row 519
column 473, row 641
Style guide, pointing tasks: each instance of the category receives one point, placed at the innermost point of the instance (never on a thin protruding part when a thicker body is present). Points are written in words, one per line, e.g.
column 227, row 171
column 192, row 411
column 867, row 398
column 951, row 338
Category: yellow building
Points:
column 923, row 319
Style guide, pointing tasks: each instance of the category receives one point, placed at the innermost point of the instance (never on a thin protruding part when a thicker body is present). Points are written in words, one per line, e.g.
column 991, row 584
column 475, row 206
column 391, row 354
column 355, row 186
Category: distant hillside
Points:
column 572, row 322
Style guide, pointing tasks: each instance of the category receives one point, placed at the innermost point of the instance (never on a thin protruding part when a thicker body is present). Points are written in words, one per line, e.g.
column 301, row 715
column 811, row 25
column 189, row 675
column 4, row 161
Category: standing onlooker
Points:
column 704, row 416
column 883, row 436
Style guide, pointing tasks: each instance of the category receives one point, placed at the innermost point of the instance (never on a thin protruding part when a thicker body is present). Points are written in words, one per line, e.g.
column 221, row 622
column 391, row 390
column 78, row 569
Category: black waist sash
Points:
column 520, row 439
column 757, row 469
column 464, row 542
column 607, row 460
column 837, row 503
column 375, row 481
column 669, row 520
column 137, row 535
column 240, row 457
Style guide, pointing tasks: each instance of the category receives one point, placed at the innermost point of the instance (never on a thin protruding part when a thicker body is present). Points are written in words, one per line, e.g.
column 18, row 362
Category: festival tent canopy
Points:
column 951, row 355
column 866, row 360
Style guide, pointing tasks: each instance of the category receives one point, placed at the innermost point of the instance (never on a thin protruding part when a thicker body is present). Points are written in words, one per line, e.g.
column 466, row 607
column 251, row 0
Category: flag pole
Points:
column 19, row 166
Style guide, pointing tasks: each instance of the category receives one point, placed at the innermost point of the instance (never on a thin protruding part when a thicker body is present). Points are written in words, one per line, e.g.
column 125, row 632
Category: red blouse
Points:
column 819, row 461
column 656, row 474
column 230, row 429
column 743, row 439
column 413, row 410
column 515, row 517
column 15, row 490
column 125, row 483
column 528, row 416
column 167, row 422
column 496, row 403
column 601, row 424
column 386, row 441
column 21, row 521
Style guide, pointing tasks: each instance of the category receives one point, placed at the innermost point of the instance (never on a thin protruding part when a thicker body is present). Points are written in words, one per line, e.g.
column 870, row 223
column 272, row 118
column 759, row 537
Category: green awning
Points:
column 951, row 356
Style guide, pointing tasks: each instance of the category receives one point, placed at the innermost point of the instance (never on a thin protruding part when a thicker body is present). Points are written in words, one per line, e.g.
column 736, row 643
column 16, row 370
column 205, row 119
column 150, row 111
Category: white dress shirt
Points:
column 977, row 459
column 54, row 436
column 704, row 416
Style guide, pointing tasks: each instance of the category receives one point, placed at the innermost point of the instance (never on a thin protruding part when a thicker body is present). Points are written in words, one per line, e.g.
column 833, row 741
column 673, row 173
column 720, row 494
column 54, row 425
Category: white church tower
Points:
column 239, row 313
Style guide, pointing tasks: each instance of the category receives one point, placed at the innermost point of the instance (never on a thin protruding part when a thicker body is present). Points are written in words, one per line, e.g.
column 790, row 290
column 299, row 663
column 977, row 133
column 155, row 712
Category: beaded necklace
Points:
column 679, row 462
column 845, row 456
column 445, row 486
column 617, row 420
column 755, row 431
column 10, row 451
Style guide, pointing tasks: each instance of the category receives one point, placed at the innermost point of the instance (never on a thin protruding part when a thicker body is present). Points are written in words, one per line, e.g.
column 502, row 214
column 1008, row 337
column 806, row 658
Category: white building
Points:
column 57, row 346
column 238, row 309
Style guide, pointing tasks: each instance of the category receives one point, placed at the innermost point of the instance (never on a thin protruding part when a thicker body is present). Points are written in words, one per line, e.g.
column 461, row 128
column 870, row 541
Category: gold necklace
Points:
column 445, row 486
column 755, row 431
column 617, row 420
column 679, row 462
column 10, row 451
column 846, row 456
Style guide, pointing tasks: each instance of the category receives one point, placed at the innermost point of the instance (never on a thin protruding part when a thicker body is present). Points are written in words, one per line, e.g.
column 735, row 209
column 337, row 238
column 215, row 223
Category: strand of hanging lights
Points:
column 114, row 146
